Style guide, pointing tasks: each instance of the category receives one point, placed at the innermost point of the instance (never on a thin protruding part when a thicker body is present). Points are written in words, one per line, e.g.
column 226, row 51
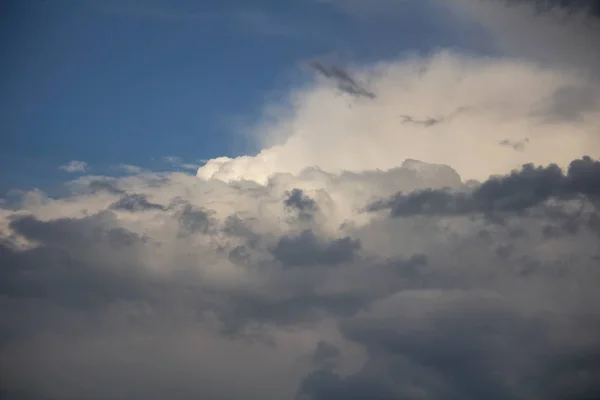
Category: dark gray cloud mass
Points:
column 516, row 192
column 307, row 249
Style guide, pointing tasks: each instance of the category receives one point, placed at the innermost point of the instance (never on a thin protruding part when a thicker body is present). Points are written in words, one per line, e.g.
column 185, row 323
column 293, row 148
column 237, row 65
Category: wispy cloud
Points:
column 128, row 168
column 178, row 162
column 74, row 166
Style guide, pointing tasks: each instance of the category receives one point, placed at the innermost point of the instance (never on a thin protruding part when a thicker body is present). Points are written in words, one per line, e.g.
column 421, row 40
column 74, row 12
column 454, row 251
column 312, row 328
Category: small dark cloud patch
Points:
column 504, row 251
column 410, row 268
column 135, row 203
column 239, row 255
column 104, row 185
column 431, row 121
column 516, row 145
column 344, row 81
column 194, row 220
column 307, row 249
column 304, row 205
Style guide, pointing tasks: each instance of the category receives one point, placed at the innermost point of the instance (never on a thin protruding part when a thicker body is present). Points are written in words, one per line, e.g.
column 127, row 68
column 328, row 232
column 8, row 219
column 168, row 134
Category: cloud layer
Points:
column 354, row 257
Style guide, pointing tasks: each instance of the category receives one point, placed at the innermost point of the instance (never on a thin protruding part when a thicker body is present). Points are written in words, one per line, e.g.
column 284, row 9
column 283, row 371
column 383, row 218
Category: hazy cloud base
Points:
column 333, row 265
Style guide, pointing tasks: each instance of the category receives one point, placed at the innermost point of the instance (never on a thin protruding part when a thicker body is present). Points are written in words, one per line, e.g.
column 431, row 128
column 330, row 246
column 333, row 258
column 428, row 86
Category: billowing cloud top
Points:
column 480, row 116
column 365, row 253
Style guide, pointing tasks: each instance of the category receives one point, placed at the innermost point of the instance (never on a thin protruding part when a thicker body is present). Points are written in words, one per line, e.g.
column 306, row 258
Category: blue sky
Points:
column 131, row 81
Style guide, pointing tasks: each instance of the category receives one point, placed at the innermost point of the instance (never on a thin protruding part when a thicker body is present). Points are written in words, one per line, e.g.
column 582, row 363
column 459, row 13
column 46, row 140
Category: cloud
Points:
column 134, row 203
column 529, row 187
column 344, row 81
column 264, row 277
column 306, row 250
column 74, row 166
column 298, row 201
column 177, row 162
column 560, row 33
column 203, row 283
column 128, row 168
column 500, row 99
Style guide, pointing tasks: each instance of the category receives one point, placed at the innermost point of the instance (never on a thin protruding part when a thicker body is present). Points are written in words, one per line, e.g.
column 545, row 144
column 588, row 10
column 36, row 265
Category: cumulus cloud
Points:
column 74, row 166
column 447, row 108
column 202, row 283
column 366, row 252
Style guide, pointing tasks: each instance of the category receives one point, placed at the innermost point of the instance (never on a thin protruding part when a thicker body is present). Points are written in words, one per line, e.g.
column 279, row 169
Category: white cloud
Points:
column 74, row 166
column 479, row 102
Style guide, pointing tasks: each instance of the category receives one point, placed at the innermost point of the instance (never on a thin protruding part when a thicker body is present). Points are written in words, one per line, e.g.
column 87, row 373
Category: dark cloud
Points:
column 430, row 121
column 307, row 249
column 71, row 266
column 75, row 232
column 592, row 7
column 407, row 119
column 304, row 205
column 449, row 346
column 194, row 220
column 328, row 385
column 325, row 353
column 516, row 192
column 100, row 185
column 344, row 81
column 516, row 145
column 135, row 203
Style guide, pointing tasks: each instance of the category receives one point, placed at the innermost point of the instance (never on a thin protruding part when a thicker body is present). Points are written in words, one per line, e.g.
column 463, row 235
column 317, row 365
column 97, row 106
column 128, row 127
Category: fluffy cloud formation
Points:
column 163, row 285
column 335, row 264
column 448, row 109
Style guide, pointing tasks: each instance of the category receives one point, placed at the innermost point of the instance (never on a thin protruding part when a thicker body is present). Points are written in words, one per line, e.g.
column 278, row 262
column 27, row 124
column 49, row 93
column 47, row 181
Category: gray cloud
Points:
column 304, row 205
column 194, row 220
column 219, row 287
column 325, row 352
column 431, row 121
column 307, row 249
column 344, row 81
column 105, row 185
column 516, row 145
column 135, row 203
column 569, row 103
column 516, row 192
column 463, row 345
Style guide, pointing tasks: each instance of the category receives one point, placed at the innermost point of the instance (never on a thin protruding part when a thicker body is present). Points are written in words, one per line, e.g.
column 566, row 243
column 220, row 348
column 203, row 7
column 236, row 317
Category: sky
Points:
column 131, row 82
column 303, row 200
